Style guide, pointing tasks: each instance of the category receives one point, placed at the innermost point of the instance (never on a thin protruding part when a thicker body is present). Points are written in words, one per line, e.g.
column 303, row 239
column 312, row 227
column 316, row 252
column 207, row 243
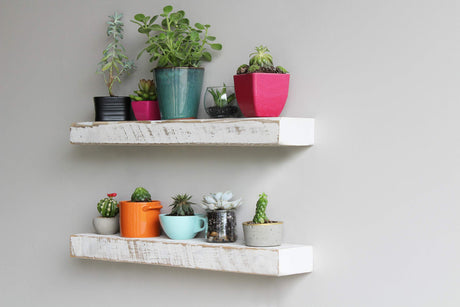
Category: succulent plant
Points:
column 182, row 205
column 260, row 217
column 261, row 61
column 220, row 97
column 141, row 195
column 220, row 201
column 146, row 92
column 108, row 207
column 114, row 62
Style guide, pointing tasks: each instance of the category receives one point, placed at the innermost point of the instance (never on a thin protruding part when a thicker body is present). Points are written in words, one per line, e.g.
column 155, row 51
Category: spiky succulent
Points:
column 221, row 99
column 260, row 217
column 261, row 61
column 108, row 207
column 182, row 205
column 146, row 92
column 220, row 201
column 141, row 195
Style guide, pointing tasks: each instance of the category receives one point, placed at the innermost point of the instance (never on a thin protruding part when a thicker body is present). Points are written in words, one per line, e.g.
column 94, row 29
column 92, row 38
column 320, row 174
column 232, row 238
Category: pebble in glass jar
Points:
column 220, row 210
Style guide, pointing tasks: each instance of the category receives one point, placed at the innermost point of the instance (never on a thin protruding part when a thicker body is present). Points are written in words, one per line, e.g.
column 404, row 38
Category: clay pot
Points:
column 140, row 219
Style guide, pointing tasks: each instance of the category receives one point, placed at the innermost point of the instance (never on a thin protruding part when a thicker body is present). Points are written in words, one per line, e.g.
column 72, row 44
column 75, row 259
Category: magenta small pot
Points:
column 261, row 94
column 146, row 110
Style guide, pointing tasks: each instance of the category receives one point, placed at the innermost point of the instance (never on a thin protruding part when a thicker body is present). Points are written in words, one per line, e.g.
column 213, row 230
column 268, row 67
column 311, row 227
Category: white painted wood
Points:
column 267, row 131
column 287, row 259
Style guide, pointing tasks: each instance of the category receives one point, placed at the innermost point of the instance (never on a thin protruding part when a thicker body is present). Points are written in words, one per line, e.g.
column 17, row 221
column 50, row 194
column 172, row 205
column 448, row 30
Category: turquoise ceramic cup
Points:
column 183, row 227
column 179, row 91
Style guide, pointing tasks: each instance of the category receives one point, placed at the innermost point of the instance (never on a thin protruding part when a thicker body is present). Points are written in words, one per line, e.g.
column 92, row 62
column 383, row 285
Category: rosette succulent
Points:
column 220, row 201
column 146, row 92
column 108, row 207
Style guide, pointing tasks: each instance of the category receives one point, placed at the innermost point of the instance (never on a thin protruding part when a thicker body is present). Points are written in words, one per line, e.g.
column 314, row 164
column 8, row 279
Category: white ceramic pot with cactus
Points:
column 108, row 221
column 261, row 231
column 220, row 211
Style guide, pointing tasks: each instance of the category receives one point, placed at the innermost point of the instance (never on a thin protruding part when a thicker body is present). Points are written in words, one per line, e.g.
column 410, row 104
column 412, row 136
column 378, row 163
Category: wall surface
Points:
column 377, row 195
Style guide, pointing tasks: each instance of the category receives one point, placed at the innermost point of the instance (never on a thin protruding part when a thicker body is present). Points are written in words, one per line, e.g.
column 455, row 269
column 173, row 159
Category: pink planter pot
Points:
column 261, row 94
column 146, row 110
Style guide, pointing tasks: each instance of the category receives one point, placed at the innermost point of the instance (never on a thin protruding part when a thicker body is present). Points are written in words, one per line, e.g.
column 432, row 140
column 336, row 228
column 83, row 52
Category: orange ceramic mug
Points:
column 140, row 219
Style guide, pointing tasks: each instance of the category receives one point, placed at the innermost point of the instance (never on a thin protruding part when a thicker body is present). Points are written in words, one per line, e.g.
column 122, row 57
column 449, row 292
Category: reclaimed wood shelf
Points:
column 264, row 131
column 287, row 259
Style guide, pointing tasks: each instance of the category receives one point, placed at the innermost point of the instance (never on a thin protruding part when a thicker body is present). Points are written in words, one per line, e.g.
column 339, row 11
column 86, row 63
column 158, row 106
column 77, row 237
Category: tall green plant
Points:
column 173, row 42
column 114, row 62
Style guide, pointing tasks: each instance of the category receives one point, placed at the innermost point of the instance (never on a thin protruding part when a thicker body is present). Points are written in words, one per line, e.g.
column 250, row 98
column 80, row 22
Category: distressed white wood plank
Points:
column 269, row 131
column 287, row 259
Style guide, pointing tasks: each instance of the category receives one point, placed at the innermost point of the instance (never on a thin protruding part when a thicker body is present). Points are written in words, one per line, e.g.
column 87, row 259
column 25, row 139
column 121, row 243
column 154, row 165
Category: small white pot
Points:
column 268, row 234
column 106, row 225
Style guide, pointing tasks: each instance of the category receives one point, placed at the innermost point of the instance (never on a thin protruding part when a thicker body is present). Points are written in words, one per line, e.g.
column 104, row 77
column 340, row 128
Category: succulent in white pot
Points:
column 220, row 210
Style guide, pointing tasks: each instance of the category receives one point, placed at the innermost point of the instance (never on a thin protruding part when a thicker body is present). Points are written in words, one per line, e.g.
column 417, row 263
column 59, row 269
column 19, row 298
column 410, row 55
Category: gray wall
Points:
column 377, row 196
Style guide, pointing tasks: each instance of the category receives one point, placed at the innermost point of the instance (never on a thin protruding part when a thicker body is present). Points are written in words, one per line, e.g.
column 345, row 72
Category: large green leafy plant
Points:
column 173, row 42
column 114, row 62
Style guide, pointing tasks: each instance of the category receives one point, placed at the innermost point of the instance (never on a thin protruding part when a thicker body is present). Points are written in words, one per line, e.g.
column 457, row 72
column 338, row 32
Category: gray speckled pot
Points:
column 270, row 234
column 106, row 225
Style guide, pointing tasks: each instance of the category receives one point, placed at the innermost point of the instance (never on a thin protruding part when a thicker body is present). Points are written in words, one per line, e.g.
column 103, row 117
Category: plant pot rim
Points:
column 112, row 97
column 143, row 100
column 260, row 73
column 106, row 217
column 181, row 216
column 208, row 210
column 179, row 67
column 264, row 224
column 143, row 203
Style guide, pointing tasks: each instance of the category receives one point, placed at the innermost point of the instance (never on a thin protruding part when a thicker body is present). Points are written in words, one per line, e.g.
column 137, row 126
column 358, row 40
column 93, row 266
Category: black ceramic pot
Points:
column 117, row 108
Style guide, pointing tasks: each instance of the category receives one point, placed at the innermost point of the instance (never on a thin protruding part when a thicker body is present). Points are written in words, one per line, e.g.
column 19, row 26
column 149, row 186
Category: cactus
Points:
column 147, row 91
column 182, row 205
column 141, row 195
column 220, row 201
column 261, row 61
column 108, row 207
column 260, row 217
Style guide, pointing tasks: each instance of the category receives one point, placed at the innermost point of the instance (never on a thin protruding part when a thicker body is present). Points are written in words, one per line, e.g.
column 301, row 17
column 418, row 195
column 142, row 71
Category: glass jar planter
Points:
column 221, row 226
column 220, row 102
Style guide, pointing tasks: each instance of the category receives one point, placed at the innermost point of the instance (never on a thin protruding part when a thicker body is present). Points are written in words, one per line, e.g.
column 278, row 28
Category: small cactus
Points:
column 261, row 61
column 260, row 217
column 182, row 205
column 141, row 195
column 108, row 207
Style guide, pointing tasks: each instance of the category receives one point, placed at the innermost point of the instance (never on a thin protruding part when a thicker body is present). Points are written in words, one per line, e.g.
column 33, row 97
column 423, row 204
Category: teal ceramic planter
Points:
column 179, row 91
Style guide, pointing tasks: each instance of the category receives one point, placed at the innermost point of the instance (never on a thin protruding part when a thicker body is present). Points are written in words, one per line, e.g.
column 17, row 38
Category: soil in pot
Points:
column 220, row 112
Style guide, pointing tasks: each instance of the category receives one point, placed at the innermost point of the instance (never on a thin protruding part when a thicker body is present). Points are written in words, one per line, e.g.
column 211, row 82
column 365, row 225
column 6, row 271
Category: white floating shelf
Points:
column 287, row 259
column 264, row 131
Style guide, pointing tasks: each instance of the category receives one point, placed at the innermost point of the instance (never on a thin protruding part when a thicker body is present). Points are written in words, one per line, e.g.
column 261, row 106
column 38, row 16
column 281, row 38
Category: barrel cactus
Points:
column 108, row 207
column 182, row 205
column 141, row 195
column 260, row 217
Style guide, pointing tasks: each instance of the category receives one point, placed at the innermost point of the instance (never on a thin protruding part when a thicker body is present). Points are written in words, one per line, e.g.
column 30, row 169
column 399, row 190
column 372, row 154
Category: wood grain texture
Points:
column 270, row 131
column 287, row 259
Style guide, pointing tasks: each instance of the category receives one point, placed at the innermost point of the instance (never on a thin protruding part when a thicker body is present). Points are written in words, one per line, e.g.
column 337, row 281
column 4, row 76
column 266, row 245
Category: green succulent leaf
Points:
column 216, row 46
column 167, row 9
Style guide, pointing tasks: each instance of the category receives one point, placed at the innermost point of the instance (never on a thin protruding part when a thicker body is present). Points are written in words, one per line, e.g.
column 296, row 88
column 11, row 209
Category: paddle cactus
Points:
column 220, row 201
column 108, row 207
column 141, row 195
column 260, row 217
column 182, row 205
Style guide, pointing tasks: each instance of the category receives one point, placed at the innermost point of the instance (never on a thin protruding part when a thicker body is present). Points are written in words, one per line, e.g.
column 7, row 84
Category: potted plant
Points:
column 182, row 223
column 178, row 47
column 220, row 211
column 261, row 88
column 107, row 223
column 113, row 65
column 219, row 102
column 261, row 231
column 144, row 101
column 139, row 217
